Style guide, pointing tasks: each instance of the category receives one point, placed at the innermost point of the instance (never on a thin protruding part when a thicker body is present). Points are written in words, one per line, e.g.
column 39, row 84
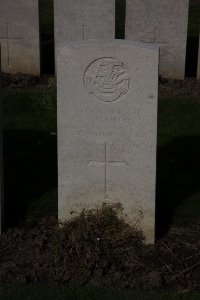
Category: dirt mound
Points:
column 99, row 248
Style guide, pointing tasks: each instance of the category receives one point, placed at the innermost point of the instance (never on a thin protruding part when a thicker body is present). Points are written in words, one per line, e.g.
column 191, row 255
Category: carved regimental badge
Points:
column 107, row 79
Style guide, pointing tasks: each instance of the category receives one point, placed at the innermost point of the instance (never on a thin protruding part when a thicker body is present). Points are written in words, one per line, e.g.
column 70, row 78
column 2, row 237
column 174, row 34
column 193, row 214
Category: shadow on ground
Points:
column 191, row 57
column 30, row 170
column 178, row 177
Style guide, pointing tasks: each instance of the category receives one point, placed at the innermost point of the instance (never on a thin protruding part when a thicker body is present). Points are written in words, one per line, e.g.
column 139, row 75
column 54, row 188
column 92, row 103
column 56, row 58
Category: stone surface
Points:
column 1, row 154
column 19, row 36
column 78, row 20
column 107, row 118
column 163, row 22
column 198, row 65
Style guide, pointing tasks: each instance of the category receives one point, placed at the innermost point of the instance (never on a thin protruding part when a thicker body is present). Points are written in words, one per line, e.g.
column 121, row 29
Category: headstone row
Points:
column 163, row 22
column 106, row 94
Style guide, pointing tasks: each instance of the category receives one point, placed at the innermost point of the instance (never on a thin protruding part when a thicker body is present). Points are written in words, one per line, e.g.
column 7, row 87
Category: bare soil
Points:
column 98, row 248
column 187, row 87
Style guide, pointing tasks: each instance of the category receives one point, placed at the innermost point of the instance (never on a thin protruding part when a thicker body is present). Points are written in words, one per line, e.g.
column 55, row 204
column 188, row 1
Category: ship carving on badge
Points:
column 107, row 79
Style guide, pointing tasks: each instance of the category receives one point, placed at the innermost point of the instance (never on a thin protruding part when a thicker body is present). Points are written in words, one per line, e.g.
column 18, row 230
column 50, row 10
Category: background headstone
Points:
column 19, row 36
column 1, row 154
column 107, row 118
column 78, row 20
column 163, row 22
column 198, row 65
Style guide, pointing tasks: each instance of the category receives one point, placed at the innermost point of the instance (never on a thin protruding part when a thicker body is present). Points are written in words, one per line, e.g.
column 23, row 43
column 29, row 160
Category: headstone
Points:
column 1, row 155
column 198, row 65
column 19, row 36
column 79, row 20
column 163, row 22
column 107, row 116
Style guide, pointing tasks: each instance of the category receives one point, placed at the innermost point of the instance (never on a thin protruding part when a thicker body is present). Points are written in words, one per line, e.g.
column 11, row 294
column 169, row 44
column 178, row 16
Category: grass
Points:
column 31, row 164
column 31, row 176
column 31, row 156
column 60, row 293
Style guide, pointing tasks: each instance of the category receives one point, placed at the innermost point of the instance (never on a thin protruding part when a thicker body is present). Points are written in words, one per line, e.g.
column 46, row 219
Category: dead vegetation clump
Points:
column 93, row 245
column 99, row 248
column 94, row 242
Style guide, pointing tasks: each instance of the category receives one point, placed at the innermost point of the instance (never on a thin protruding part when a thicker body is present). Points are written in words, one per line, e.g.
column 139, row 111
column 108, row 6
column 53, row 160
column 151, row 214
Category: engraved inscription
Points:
column 107, row 79
column 106, row 163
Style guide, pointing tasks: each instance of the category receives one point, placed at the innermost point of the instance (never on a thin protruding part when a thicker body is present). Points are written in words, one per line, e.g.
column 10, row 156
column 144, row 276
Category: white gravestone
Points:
column 79, row 20
column 107, row 119
column 163, row 22
column 19, row 36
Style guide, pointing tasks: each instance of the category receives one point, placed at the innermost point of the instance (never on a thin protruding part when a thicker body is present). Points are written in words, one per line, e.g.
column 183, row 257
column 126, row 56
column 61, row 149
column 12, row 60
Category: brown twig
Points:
column 170, row 250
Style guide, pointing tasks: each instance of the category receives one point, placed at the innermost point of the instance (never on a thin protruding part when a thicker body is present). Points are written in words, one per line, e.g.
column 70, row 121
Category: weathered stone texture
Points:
column 198, row 65
column 163, row 22
column 107, row 118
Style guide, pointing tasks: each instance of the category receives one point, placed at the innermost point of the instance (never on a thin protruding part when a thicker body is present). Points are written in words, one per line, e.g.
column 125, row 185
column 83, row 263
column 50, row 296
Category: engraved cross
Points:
column 7, row 39
column 106, row 163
